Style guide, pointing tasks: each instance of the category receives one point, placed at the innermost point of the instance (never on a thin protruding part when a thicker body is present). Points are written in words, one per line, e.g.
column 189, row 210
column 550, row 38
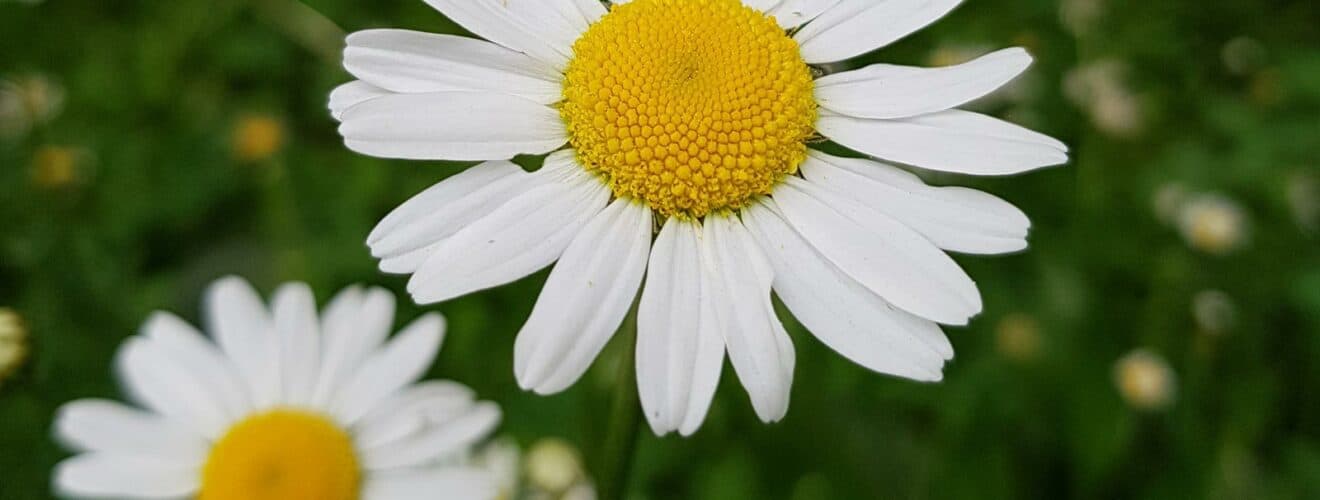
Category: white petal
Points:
column 456, row 126
column 584, row 300
column 298, row 328
column 351, row 94
column 157, row 380
column 239, row 322
column 450, row 483
column 680, row 352
column 885, row 91
column 758, row 346
column 854, row 27
column 884, row 255
column 954, row 218
column 951, row 141
column 843, row 314
column 439, row 441
column 353, row 325
column 400, row 362
column 413, row 62
column 411, row 410
column 108, row 426
column 200, row 357
column 794, row 13
column 544, row 29
column 517, row 239
column 445, row 208
column 117, row 476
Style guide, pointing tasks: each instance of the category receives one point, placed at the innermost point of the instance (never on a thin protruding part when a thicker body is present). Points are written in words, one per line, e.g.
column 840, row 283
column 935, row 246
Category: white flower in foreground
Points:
column 285, row 405
column 694, row 116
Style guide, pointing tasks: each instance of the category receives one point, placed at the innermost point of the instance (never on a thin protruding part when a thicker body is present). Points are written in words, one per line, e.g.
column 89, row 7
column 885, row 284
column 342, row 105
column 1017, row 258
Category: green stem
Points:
column 625, row 418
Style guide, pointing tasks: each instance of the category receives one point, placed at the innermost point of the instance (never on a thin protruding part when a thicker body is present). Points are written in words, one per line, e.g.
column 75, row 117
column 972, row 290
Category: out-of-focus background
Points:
column 1161, row 339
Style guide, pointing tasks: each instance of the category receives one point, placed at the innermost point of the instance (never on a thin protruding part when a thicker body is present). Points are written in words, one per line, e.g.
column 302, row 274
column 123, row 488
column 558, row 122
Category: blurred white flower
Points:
column 554, row 465
column 1303, row 193
column 1243, row 55
column 1081, row 16
column 1213, row 224
column 279, row 402
column 1214, row 311
column 1145, row 380
column 27, row 101
column 1100, row 88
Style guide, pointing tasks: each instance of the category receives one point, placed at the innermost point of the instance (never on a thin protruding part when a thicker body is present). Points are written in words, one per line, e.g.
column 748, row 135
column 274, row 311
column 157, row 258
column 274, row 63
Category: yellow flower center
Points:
column 691, row 105
column 282, row 455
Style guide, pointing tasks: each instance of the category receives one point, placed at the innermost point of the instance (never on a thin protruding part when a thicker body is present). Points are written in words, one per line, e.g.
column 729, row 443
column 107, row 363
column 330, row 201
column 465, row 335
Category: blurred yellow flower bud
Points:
column 13, row 343
column 1017, row 337
column 1145, row 380
column 55, row 167
column 257, row 137
column 553, row 465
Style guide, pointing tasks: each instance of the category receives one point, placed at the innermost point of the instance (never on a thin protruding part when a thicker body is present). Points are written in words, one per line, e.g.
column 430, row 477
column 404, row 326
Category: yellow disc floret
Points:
column 282, row 455
column 691, row 105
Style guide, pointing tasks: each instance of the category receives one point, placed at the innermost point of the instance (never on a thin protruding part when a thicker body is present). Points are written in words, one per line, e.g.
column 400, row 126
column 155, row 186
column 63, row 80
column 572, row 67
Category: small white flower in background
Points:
column 280, row 403
column 694, row 117
column 1214, row 311
column 28, row 101
column 1145, row 380
column 1081, row 16
column 1213, row 224
column 554, row 466
column 1243, row 55
column 13, row 343
column 1303, row 194
column 1100, row 88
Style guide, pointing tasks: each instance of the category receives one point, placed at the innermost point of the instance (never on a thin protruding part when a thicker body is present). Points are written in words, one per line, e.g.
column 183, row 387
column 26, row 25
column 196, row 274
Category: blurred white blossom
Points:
column 1101, row 90
column 1145, row 380
column 1213, row 224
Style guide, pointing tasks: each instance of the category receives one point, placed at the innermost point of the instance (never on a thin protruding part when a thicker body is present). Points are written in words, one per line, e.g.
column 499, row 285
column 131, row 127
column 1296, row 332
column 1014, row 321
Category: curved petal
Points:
column 794, row 13
column 409, row 411
column 438, row 441
column 299, row 331
column 400, row 362
column 680, row 352
column 954, row 218
column 880, row 253
column 154, row 378
column 414, row 62
column 951, row 141
column 584, row 300
column 241, row 326
column 885, row 91
column 109, row 426
column 452, row 482
column 854, row 27
column 447, row 207
column 543, row 29
column 843, row 314
column 118, row 476
column 351, row 94
column 758, row 346
column 460, row 126
column 201, row 358
column 517, row 239
column 353, row 326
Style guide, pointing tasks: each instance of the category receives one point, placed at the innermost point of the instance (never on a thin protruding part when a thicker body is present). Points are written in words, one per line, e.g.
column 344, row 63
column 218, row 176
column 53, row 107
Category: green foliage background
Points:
column 161, row 207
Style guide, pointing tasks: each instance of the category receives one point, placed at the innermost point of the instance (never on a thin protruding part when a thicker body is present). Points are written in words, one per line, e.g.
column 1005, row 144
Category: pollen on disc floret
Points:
column 694, row 106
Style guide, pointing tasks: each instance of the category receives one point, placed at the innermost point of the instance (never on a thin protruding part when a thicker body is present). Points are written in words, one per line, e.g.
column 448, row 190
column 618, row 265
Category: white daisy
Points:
column 694, row 116
column 285, row 405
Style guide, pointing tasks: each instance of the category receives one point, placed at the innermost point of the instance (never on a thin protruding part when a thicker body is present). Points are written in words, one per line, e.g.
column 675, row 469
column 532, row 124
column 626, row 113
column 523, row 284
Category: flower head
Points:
column 280, row 403
column 1145, row 380
column 689, row 126
column 1213, row 224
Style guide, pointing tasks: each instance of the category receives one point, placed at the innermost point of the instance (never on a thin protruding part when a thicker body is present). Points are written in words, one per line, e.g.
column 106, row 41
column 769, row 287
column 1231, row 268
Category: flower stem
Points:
column 625, row 416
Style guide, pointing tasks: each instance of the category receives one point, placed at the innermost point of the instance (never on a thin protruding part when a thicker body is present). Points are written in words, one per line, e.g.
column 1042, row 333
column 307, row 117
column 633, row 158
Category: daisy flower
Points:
column 285, row 405
column 679, row 136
